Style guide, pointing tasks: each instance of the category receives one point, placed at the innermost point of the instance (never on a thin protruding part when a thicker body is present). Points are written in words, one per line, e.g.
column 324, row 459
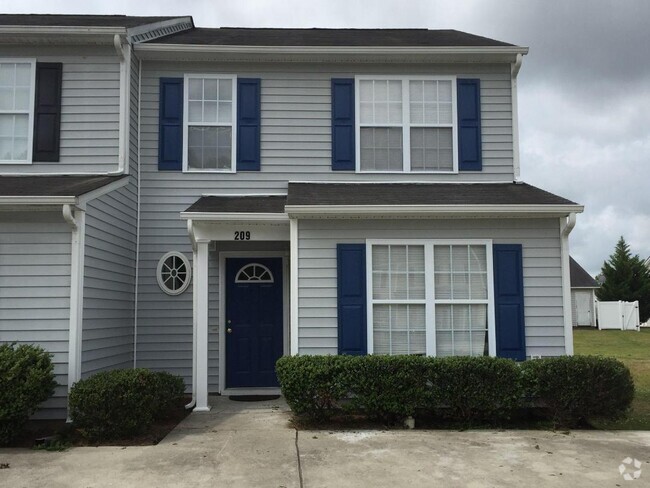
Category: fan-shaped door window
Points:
column 254, row 273
column 174, row 273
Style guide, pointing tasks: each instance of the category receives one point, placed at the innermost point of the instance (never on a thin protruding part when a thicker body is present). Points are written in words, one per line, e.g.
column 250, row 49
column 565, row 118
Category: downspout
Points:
column 190, row 231
column 566, row 226
column 76, row 218
column 124, row 54
column 514, row 71
column 137, row 226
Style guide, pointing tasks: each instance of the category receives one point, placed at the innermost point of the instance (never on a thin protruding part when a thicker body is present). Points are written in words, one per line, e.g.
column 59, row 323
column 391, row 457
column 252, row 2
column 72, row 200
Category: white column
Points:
column 77, row 254
column 201, row 317
column 293, row 265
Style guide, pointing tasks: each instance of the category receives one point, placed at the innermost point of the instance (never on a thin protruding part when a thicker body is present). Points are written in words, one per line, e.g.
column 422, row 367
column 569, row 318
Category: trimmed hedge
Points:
column 123, row 403
column 580, row 388
column 26, row 381
column 463, row 389
column 471, row 389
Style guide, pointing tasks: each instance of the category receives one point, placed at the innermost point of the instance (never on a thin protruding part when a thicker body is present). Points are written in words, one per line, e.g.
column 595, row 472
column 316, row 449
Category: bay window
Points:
column 430, row 297
column 406, row 124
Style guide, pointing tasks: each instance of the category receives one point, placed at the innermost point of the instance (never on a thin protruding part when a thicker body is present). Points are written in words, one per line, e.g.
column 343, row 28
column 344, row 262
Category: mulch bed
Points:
column 42, row 432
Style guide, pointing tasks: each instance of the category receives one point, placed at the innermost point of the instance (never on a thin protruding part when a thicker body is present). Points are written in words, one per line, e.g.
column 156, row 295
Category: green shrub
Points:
column 460, row 389
column 467, row 389
column 388, row 388
column 26, row 380
column 577, row 389
column 313, row 385
column 124, row 402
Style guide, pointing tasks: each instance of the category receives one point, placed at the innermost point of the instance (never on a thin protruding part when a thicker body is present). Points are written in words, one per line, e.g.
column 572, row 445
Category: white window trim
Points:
column 188, row 278
column 406, row 122
column 186, row 89
column 30, row 112
column 430, row 301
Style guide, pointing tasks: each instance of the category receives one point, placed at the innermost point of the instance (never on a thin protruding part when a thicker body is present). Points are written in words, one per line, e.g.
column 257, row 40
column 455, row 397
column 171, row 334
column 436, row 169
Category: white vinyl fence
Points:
column 618, row 315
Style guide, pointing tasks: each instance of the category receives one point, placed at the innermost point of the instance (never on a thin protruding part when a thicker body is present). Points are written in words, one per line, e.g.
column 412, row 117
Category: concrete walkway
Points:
column 253, row 445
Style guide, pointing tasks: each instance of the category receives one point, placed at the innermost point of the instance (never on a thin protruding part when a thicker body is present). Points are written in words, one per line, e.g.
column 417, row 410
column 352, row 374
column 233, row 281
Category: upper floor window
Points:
column 16, row 110
column 406, row 124
column 209, row 123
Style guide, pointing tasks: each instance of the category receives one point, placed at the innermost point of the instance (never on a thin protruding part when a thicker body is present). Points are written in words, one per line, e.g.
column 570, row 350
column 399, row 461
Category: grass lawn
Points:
column 633, row 348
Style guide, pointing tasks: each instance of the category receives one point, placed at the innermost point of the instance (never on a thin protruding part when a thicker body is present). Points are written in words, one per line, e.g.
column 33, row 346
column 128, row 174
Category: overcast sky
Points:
column 584, row 89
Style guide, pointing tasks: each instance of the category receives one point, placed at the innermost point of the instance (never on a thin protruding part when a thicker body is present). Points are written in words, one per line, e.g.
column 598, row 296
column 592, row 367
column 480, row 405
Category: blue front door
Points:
column 254, row 321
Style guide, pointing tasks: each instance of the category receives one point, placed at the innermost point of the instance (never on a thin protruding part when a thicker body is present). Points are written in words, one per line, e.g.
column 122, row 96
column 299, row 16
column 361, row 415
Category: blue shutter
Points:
column 248, row 124
column 170, row 125
column 343, row 152
column 351, row 277
column 47, row 112
column 509, row 301
column 469, row 124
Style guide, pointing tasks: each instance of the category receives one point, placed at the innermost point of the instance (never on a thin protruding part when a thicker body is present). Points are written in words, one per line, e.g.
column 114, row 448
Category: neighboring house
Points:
column 583, row 296
column 204, row 201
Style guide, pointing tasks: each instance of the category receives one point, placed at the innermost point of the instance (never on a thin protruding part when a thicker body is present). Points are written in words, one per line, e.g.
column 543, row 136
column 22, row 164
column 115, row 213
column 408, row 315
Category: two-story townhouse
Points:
column 294, row 191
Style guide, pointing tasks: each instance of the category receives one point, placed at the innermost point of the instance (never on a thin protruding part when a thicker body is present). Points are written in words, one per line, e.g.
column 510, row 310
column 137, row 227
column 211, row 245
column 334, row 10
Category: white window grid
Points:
column 406, row 124
column 430, row 300
column 30, row 110
column 187, row 124
column 398, row 301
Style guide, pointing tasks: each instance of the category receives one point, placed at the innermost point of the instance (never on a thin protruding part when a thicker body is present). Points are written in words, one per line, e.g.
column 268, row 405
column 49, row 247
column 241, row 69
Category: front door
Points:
column 254, row 321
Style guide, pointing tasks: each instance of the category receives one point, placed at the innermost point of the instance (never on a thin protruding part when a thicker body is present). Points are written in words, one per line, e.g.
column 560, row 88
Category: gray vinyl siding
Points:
column 109, row 275
column 296, row 125
column 317, row 240
column 90, row 106
column 295, row 145
column 35, row 290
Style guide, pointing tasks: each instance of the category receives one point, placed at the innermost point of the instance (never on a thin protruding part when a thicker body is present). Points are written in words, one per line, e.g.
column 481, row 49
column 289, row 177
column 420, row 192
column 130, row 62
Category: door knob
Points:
column 229, row 330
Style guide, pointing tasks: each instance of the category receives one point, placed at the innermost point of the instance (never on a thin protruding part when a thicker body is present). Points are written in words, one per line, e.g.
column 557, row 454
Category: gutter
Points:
column 566, row 226
column 77, row 201
column 432, row 210
column 356, row 50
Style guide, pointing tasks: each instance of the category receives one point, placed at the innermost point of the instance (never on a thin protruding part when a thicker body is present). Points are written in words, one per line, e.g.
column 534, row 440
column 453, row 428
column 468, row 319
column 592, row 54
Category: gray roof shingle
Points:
column 239, row 204
column 579, row 276
column 237, row 36
column 52, row 186
column 420, row 194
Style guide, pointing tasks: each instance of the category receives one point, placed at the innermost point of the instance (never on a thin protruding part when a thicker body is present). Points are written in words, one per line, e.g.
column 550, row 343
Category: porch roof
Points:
column 52, row 189
column 245, row 204
column 420, row 194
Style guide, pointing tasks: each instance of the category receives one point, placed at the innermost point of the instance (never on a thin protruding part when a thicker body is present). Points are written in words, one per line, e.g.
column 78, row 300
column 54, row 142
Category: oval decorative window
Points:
column 254, row 272
column 174, row 273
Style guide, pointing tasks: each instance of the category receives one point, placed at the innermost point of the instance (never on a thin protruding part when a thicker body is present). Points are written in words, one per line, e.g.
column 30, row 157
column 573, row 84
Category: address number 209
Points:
column 242, row 235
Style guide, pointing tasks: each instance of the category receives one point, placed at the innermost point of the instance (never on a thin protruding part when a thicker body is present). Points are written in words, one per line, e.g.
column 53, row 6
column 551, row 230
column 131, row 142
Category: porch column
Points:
column 201, row 316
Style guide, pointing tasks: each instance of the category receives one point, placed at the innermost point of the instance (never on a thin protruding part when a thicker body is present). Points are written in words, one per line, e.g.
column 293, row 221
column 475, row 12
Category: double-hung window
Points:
column 430, row 297
column 406, row 124
column 17, row 79
column 210, row 114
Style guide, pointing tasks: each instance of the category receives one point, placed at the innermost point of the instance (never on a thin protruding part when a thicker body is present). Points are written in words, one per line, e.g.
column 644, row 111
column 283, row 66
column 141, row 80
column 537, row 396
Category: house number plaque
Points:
column 242, row 235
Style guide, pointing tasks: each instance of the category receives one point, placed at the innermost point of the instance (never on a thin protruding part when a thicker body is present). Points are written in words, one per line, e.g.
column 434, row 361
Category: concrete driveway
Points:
column 252, row 445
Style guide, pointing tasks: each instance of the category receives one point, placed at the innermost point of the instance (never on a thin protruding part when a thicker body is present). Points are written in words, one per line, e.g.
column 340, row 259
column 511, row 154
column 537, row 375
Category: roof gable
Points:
column 579, row 276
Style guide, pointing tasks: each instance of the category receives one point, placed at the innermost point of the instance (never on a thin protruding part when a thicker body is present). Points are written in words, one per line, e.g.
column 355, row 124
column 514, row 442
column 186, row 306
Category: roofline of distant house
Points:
column 61, row 29
column 239, row 49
